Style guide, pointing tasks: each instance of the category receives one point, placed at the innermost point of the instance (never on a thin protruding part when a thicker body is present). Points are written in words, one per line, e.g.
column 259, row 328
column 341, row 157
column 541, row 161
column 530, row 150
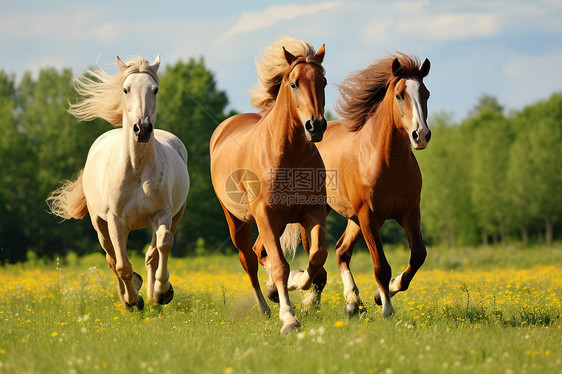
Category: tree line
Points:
column 493, row 177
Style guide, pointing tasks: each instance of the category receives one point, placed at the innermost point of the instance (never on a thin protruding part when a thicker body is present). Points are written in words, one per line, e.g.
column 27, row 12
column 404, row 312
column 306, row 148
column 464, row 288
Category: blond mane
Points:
column 273, row 66
column 101, row 93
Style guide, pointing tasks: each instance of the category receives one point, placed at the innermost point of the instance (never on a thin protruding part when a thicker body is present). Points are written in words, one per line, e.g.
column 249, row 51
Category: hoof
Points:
column 287, row 329
column 378, row 298
column 271, row 292
column 355, row 310
column 351, row 310
column 166, row 297
column 139, row 305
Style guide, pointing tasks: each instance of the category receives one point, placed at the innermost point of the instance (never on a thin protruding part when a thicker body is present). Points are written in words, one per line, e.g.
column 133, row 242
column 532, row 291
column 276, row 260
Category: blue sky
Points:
column 511, row 49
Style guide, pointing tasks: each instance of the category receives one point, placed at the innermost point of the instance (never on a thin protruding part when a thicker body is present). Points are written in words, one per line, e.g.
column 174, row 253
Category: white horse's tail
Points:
column 290, row 239
column 69, row 201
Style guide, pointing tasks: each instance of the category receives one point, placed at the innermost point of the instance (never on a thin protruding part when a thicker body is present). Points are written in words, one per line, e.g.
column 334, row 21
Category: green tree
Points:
column 58, row 146
column 491, row 137
column 447, row 214
column 191, row 106
column 545, row 140
column 15, row 176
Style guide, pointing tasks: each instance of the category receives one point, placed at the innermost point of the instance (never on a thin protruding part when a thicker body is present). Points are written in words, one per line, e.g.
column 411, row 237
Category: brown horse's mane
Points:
column 362, row 92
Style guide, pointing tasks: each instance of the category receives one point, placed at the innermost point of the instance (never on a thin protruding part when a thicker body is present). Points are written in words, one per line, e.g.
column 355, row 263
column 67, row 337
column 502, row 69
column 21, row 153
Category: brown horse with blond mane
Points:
column 252, row 153
column 384, row 110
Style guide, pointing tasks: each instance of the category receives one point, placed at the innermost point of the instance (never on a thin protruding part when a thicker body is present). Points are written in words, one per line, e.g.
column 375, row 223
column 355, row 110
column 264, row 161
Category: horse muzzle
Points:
column 420, row 138
column 314, row 129
column 143, row 131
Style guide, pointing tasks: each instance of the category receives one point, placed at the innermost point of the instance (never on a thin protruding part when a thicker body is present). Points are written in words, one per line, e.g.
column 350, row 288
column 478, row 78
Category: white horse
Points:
column 134, row 177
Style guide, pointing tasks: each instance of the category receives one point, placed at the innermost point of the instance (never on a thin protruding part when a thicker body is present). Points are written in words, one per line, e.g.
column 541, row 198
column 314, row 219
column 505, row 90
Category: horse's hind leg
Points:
column 101, row 227
column 164, row 227
column 312, row 300
column 344, row 251
column 411, row 224
column 152, row 263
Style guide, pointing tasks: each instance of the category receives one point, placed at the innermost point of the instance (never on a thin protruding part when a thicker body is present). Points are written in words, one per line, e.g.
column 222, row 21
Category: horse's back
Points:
column 236, row 128
column 173, row 141
column 176, row 154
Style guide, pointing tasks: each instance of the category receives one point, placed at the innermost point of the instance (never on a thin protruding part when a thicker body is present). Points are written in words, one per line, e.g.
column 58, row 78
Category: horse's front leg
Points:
column 162, row 223
column 278, row 268
column 371, row 232
column 151, row 264
column 410, row 221
column 129, row 282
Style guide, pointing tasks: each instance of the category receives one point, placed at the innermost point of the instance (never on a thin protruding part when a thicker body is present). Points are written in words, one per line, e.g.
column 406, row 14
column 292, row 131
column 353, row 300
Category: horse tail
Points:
column 290, row 239
column 69, row 201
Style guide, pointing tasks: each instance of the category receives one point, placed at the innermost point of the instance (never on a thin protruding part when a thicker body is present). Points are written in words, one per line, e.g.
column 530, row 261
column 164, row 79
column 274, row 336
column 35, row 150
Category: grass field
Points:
column 496, row 310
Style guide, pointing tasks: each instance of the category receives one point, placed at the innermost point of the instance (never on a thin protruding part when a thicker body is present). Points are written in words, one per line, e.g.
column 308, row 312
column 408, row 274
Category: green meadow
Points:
column 495, row 310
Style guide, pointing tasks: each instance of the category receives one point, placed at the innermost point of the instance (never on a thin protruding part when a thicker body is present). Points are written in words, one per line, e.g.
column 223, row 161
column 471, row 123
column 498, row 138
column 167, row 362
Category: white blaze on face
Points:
column 140, row 100
column 418, row 123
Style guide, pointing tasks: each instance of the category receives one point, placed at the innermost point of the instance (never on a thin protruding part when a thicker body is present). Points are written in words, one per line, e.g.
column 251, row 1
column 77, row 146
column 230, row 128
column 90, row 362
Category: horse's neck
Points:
column 391, row 146
column 287, row 134
column 134, row 155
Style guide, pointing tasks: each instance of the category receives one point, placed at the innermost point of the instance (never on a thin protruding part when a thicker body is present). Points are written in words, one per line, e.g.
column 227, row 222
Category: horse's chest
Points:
column 394, row 193
column 140, row 200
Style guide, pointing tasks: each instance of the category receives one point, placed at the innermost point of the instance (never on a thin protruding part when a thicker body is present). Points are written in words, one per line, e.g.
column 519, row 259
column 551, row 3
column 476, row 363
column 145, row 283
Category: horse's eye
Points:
column 293, row 86
column 399, row 97
column 156, row 90
column 125, row 91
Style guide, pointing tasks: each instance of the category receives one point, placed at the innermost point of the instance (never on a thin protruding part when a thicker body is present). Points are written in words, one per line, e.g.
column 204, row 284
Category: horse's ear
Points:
column 321, row 52
column 121, row 65
column 156, row 63
column 289, row 56
column 395, row 67
column 424, row 70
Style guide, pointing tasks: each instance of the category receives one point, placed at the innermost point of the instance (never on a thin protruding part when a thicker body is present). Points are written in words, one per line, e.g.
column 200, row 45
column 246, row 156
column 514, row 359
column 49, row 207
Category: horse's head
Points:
column 139, row 98
column 410, row 103
column 306, row 82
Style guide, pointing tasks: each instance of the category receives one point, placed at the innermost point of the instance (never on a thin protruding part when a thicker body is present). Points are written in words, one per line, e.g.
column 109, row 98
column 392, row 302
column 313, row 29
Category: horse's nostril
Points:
column 136, row 128
column 308, row 126
column 149, row 128
column 428, row 136
column 323, row 124
column 415, row 135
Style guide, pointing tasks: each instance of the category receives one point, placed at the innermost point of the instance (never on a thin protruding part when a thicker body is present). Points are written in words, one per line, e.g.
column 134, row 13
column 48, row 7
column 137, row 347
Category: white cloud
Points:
column 450, row 26
column 417, row 20
column 253, row 21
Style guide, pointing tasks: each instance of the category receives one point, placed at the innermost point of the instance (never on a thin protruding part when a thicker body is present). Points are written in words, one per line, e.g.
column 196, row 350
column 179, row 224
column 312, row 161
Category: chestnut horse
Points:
column 134, row 176
column 384, row 110
column 253, row 153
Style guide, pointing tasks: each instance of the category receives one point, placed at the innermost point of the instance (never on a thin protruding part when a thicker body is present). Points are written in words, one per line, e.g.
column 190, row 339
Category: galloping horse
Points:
column 384, row 110
column 134, row 177
column 253, row 153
